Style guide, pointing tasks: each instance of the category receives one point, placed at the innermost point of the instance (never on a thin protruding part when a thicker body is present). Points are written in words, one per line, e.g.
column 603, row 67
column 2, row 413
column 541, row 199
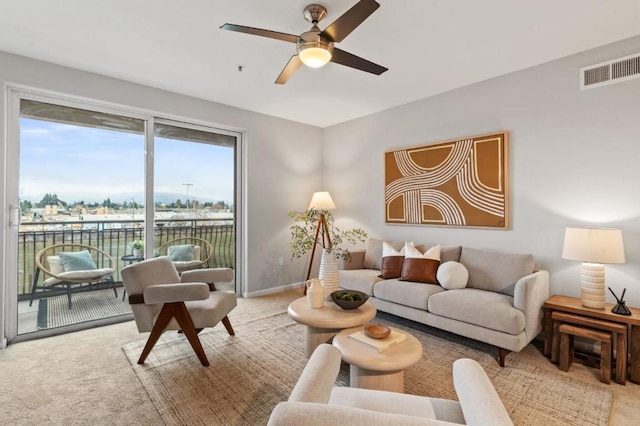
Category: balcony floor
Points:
column 53, row 312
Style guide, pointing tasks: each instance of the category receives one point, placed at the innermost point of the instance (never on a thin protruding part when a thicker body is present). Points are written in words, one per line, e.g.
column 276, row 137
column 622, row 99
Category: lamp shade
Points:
column 593, row 245
column 321, row 201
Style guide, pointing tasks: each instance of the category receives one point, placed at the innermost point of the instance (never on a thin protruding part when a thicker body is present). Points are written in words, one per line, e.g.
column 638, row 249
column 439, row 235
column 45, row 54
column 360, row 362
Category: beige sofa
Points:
column 501, row 304
column 315, row 401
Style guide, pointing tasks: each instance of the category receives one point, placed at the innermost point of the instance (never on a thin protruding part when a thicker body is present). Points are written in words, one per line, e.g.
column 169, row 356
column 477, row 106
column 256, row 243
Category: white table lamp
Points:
column 593, row 247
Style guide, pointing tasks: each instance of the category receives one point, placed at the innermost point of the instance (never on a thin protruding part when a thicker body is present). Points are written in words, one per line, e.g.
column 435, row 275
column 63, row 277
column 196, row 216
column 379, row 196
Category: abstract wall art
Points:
column 464, row 182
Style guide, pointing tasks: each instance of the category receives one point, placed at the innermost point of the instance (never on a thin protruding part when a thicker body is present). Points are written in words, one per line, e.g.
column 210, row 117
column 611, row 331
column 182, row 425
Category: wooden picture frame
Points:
column 461, row 183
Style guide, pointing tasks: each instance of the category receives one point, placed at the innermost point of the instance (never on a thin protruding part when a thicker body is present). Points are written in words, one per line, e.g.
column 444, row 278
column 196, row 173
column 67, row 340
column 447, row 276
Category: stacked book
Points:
column 380, row 345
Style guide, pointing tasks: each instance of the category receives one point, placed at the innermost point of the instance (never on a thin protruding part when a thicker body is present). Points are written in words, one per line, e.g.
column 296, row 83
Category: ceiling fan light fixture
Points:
column 314, row 57
column 314, row 50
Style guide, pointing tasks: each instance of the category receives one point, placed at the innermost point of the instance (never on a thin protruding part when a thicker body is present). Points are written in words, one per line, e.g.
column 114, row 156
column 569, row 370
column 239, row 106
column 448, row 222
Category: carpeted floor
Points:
column 258, row 367
column 84, row 378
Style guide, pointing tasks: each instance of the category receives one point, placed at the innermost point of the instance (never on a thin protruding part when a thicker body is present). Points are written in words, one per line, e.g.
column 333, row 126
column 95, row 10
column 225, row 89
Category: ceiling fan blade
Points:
column 350, row 60
column 349, row 21
column 288, row 70
column 260, row 32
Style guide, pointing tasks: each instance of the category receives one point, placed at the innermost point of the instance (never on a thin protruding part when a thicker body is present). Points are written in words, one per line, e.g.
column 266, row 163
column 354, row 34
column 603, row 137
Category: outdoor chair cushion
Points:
column 77, row 261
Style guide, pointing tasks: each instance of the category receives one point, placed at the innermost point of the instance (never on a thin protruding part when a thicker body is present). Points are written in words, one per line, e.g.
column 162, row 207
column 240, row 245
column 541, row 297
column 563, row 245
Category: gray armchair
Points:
column 314, row 400
column 162, row 300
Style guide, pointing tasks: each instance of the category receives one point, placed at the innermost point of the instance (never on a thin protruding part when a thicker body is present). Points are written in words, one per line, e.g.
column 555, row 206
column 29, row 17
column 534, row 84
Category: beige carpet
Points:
column 254, row 370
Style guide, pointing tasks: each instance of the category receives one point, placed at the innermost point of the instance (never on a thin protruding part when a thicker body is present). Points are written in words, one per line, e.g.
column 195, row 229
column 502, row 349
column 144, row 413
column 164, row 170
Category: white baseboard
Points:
column 273, row 290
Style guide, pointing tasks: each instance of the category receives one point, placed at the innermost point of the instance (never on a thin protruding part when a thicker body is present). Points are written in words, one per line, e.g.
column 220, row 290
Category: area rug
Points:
column 257, row 368
column 87, row 306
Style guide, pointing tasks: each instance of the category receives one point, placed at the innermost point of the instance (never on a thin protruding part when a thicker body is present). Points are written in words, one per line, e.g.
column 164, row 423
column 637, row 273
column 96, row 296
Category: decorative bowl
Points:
column 349, row 299
column 376, row 331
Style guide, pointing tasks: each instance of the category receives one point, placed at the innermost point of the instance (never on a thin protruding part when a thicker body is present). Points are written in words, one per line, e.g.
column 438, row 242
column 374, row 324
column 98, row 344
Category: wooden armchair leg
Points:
column 186, row 324
column 227, row 325
column 181, row 314
column 158, row 328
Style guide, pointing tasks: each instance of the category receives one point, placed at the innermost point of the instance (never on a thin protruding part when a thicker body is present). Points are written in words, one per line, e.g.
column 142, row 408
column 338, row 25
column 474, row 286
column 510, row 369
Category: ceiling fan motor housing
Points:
column 314, row 13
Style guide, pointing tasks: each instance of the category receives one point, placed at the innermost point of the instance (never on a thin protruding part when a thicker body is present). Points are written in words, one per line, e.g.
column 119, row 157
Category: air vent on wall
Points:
column 614, row 71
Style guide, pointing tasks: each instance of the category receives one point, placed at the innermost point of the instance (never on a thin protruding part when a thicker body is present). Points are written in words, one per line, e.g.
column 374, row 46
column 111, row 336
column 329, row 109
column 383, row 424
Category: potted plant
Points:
column 303, row 234
column 315, row 227
column 137, row 247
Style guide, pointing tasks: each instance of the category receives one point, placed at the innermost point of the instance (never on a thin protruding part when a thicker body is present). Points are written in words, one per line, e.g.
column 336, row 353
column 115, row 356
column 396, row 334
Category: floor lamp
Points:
column 322, row 202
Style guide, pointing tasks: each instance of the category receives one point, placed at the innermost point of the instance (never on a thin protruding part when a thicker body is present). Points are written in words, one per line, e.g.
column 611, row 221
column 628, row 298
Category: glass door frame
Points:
column 10, row 214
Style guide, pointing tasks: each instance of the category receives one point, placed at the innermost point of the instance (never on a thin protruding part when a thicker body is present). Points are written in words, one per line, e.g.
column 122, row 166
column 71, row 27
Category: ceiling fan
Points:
column 316, row 47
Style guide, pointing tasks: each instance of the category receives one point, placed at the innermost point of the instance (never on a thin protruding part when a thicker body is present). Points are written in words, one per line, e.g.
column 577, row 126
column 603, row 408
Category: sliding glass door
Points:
column 194, row 192
column 97, row 191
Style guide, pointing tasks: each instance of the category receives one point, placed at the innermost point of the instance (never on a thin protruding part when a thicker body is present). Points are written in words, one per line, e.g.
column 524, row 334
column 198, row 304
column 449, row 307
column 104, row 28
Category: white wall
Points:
column 283, row 157
column 574, row 159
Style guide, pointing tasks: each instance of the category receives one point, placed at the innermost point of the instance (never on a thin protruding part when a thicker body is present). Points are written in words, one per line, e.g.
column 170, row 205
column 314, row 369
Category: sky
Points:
column 89, row 164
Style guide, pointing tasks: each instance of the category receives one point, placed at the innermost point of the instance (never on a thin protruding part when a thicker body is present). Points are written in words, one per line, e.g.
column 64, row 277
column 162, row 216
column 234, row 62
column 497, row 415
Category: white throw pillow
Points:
column 388, row 250
column 452, row 275
column 411, row 252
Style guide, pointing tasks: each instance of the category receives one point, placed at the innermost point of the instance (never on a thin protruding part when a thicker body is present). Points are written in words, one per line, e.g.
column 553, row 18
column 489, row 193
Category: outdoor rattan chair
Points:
column 77, row 267
column 187, row 253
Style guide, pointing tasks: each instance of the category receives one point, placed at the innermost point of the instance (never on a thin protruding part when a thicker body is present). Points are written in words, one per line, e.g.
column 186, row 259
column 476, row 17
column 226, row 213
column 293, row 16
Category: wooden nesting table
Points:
column 572, row 305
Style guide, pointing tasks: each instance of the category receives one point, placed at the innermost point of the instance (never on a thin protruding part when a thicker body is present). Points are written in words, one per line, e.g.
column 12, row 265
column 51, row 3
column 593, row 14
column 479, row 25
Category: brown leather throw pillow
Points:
column 391, row 267
column 419, row 270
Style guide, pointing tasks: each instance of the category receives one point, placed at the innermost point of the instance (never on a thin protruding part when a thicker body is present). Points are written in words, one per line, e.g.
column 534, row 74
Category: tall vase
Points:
column 329, row 273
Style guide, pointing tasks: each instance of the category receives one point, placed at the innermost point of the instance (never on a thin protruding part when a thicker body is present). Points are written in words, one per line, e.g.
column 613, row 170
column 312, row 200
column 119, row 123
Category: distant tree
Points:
column 50, row 200
column 25, row 205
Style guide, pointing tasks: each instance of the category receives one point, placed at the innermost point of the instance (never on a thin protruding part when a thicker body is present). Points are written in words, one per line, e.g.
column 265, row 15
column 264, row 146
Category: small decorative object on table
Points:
column 376, row 331
column 315, row 293
column 620, row 308
column 395, row 337
column 349, row 299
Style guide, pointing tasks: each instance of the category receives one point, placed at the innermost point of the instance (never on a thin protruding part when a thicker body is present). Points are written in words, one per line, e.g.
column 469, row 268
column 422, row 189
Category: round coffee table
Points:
column 371, row 369
column 324, row 323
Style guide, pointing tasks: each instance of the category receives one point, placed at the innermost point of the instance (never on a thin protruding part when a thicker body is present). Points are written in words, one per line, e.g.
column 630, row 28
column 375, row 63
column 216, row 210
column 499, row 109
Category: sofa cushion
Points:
column 359, row 279
column 450, row 253
column 391, row 267
column 483, row 308
column 419, row 270
column 391, row 262
column 406, row 293
column 413, row 252
column 373, row 254
column 452, row 275
column 495, row 270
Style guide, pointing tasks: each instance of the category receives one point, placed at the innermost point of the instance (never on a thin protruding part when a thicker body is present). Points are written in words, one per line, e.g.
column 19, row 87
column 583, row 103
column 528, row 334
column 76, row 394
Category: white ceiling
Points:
column 429, row 46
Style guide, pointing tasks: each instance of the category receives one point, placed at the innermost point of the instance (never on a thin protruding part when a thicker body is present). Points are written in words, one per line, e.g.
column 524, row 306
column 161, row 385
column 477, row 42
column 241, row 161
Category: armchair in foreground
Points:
column 162, row 300
column 315, row 401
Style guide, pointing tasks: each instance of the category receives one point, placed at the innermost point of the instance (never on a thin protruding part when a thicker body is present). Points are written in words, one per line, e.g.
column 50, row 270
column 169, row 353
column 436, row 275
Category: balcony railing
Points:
column 115, row 237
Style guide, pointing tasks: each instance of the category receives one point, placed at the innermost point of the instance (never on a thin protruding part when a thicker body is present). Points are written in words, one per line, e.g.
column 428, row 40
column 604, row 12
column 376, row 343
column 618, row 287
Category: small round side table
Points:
column 371, row 369
column 324, row 323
